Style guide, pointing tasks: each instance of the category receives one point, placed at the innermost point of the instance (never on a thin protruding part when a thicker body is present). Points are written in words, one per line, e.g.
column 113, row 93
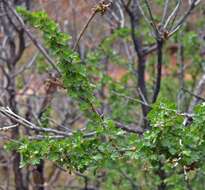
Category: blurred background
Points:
column 107, row 48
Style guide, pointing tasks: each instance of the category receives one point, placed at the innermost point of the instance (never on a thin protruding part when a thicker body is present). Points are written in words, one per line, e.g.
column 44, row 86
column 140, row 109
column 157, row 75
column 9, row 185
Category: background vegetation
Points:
column 102, row 95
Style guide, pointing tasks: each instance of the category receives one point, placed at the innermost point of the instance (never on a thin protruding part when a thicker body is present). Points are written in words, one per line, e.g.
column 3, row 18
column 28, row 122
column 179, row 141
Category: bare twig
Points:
column 183, row 19
column 30, row 35
column 152, row 18
column 198, row 90
column 8, row 127
column 100, row 8
column 18, row 119
column 166, row 6
column 136, row 130
column 174, row 12
column 194, row 95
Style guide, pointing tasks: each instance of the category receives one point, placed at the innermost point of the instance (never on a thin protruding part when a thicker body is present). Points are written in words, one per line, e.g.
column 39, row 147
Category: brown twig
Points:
column 100, row 8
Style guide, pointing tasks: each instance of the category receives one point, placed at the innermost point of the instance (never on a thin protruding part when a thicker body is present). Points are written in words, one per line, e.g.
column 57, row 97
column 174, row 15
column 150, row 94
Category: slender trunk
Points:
column 159, row 70
column 134, row 20
column 18, row 175
column 38, row 174
column 38, row 177
column 15, row 51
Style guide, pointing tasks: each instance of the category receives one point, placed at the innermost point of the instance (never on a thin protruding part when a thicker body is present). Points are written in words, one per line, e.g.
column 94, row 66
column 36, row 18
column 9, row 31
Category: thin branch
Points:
column 8, row 127
column 195, row 95
column 31, row 37
column 26, row 66
column 130, row 98
column 84, row 29
column 198, row 90
column 18, row 119
column 136, row 130
column 166, row 6
column 100, row 8
column 152, row 19
column 174, row 12
column 183, row 19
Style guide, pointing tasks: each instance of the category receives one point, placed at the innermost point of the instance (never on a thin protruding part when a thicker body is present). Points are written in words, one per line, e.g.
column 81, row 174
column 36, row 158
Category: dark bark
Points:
column 134, row 16
column 18, row 175
column 15, row 52
column 38, row 176
column 159, row 70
